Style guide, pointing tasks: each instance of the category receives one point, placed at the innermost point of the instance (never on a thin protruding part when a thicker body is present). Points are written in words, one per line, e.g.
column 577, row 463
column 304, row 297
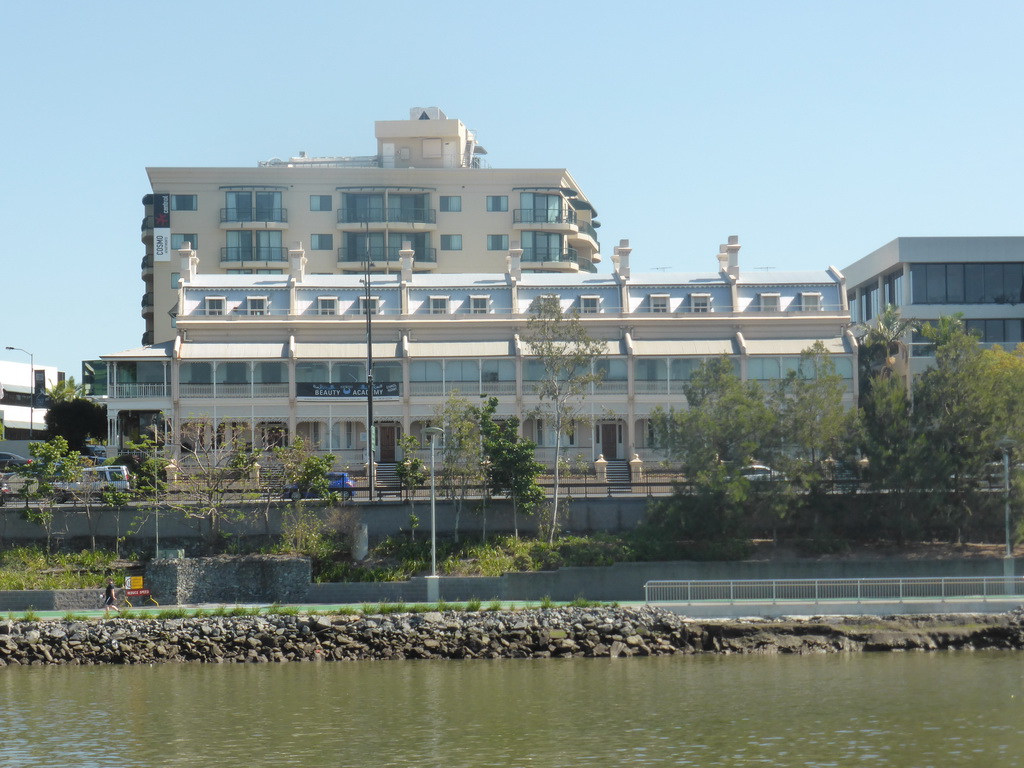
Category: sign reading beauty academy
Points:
column 385, row 390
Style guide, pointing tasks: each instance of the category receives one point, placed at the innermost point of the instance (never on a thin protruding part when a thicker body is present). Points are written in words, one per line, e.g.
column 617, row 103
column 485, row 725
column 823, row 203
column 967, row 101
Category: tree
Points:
column 76, row 421
column 566, row 354
column 53, row 465
column 412, row 473
column 460, row 452
column 954, row 412
column 511, row 467
column 209, row 473
column 65, row 391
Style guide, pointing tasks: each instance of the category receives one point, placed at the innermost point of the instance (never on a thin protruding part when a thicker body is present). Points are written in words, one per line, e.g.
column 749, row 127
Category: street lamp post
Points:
column 31, row 391
column 1008, row 565
column 433, row 585
column 370, row 474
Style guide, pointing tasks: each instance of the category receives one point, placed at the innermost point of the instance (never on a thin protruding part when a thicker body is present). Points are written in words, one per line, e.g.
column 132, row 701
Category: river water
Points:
column 897, row 709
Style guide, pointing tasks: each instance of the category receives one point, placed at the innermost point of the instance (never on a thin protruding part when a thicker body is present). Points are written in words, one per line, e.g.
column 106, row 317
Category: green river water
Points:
column 897, row 709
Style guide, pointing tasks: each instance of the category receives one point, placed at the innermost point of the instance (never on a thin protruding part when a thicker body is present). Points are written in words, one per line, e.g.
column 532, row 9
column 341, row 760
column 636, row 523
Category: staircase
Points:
column 386, row 480
column 617, row 477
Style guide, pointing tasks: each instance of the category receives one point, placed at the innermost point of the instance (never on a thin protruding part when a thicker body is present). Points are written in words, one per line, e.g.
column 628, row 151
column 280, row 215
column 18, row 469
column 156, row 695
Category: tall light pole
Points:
column 370, row 442
column 31, row 390
column 433, row 587
column 1005, row 445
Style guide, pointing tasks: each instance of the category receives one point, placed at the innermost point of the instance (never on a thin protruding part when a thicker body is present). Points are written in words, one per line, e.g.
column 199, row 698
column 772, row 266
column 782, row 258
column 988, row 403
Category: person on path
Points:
column 108, row 598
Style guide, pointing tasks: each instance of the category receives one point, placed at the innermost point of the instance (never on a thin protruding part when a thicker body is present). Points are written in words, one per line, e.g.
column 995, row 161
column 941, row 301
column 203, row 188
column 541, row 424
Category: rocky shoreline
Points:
column 603, row 632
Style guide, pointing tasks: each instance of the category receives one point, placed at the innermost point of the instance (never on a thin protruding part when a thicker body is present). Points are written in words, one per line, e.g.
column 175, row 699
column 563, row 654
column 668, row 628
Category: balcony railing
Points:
column 385, row 254
column 257, row 389
column 240, row 215
column 260, row 253
column 530, row 216
column 139, row 390
column 550, row 254
column 385, row 215
column 147, row 261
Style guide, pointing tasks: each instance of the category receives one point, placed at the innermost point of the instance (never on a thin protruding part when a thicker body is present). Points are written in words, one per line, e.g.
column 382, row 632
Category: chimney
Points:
column 731, row 251
column 297, row 263
column 189, row 263
column 405, row 259
column 514, row 260
column 620, row 258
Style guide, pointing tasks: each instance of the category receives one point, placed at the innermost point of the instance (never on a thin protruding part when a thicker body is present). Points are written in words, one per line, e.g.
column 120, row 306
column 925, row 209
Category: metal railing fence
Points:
column 772, row 590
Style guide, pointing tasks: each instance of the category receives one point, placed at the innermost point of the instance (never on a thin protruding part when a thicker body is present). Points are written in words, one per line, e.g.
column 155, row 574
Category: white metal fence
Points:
column 771, row 590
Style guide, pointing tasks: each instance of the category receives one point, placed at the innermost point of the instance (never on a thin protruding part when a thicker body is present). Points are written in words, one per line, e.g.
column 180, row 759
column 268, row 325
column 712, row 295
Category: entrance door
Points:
column 388, row 438
column 610, row 441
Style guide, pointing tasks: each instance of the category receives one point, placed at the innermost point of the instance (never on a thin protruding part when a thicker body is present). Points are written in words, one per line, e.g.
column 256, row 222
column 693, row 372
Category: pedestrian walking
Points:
column 108, row 598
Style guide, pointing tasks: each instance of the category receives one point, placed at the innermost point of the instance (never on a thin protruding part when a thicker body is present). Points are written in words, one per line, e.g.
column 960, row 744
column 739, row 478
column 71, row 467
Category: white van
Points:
column 94, row 481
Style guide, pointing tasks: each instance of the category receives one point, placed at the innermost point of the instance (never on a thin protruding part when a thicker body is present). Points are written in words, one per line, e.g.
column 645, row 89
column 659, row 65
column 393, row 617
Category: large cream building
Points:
column 257, row 302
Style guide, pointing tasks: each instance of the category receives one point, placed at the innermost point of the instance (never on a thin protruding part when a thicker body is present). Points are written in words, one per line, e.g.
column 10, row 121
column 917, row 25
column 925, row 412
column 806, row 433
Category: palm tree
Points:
column 882, row 343
column 65, row 391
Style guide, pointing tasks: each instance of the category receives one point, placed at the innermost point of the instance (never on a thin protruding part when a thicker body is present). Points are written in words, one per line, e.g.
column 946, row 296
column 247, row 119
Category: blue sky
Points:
column 816, row 131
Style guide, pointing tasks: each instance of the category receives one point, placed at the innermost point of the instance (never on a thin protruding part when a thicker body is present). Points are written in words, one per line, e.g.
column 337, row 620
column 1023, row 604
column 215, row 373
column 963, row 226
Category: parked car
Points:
column 94, row 481
column 337, row 482
column 98, row 453
column 5, row 492
column 11, row 461
column 759, row 473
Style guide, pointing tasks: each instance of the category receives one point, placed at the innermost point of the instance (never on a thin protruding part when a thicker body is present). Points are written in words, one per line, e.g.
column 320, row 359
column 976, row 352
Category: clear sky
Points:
column 816, row 131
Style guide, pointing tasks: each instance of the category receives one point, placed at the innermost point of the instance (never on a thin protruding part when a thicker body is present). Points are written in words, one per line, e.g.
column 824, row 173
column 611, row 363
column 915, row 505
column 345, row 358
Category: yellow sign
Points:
column 133, row 582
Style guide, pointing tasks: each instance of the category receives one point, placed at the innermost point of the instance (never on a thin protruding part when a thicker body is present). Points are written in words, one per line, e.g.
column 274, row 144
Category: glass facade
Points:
column 977, row 283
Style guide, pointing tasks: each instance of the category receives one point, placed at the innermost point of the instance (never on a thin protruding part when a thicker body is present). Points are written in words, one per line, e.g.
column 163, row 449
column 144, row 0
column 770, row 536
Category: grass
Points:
column 31, row 568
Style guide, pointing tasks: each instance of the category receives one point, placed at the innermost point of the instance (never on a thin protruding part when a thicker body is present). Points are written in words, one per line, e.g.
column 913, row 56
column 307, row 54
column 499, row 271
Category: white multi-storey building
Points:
column 979, row 278
column 261, row 341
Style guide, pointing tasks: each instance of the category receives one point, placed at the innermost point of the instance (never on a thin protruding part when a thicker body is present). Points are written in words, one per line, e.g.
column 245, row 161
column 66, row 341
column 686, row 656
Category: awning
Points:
column 345, row 351
column 221, row 351
column 684, row 348
column 792, row 346
column 461, row 349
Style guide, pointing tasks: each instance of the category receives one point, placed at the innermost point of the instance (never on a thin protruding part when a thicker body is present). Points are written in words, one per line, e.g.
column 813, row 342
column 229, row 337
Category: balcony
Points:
column 384, row 255
column 147, row 304
column 147, row 264
column 267, row 253
column 531, row 216
column 139, row 390
column 356, row 219
column 236, row 216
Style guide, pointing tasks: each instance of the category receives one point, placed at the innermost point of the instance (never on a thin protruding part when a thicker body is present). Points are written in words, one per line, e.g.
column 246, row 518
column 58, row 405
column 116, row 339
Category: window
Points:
column 497, row 242
column 214, row 305
column 479, row 305
column 319, row 202
column 973, row 283
column 371, row 303
column 451, row 242
column 497, row 203
column 178, row 241
column 546, row 209
column 542, row 246
column 258, row 245
column 700, row 302
column 321, row 242
column 658, row 303
column 810, row 302
column 256, row 305
column 175, row 278
column 589, row 305
column 769, row 302
column 451, row 203
column 326, row 305
column 184, row 203
column 252, row 206
column 439, row 305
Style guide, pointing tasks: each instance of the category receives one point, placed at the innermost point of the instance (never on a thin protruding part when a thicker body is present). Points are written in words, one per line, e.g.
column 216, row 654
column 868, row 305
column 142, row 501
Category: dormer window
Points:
column 659, row 303
column 214, row 305
column 770, row 302
column 589, row 305
column 256, row 305
column 700, row 302
column 439, row 305
column 479, row 305
column 327, row 305
column 810, row 302
column 369, row 305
